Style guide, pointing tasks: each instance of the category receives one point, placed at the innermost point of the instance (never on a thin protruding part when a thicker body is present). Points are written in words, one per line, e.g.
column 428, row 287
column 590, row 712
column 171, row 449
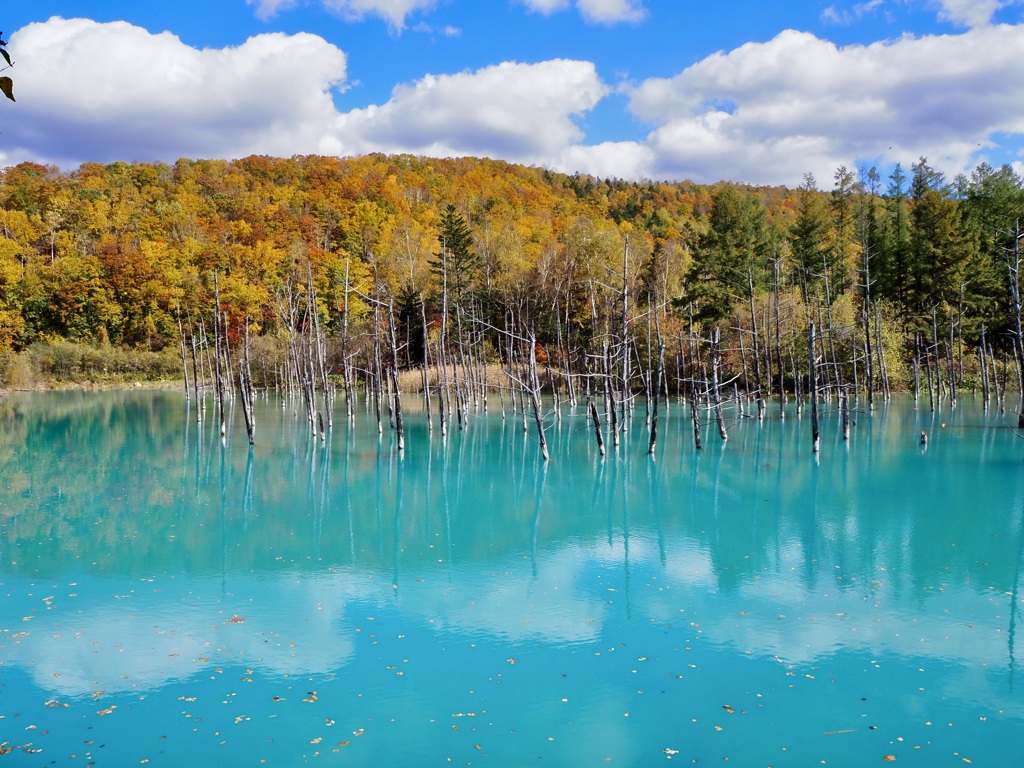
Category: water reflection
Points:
column 141, row 552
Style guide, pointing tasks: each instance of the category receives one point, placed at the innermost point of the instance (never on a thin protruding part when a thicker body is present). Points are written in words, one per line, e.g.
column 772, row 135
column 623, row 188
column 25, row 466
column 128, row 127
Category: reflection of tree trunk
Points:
column 1015, row 601
column 397, row 547
column 535, row 528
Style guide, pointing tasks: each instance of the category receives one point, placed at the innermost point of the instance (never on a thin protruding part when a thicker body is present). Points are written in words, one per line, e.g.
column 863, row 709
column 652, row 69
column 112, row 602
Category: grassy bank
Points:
column 60, row 364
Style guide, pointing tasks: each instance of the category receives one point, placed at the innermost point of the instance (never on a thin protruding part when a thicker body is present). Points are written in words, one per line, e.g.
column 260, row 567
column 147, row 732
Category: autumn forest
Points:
column 115, row 271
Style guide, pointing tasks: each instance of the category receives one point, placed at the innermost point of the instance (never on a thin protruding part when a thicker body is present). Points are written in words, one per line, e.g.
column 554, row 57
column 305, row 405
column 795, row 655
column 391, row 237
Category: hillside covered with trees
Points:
column 113, row 270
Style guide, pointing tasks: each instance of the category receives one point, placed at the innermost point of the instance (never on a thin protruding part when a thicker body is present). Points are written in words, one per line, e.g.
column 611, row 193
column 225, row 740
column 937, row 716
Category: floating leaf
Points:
column 890, row 758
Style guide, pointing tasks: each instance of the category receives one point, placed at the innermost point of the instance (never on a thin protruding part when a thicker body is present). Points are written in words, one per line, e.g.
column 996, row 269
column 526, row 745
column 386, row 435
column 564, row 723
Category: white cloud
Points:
column 610, row 159
column 265, row 9
column 768, row 112
column 101, row 92
column 965, row 13
column 765, row 112
column 91, row 91
column 546, row 7
column 837, row 15
column 611, row 11
column 595, row 11
column 518, row 112
column 971, row 13
column 394, row 12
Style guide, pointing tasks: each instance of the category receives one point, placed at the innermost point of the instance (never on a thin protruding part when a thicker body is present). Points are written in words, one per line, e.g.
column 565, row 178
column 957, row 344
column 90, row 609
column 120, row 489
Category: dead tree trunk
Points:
column 716, row 397
column 217, row 334
column 654, row 395
column 396, row 391
column 983, row 366
column 426, row 366
column 181, row 347
column 597, row 427
column 693, row 386
column 778, row 348
column 538, row 414
column 812, row 365
column 757, row 346
column 246, row 389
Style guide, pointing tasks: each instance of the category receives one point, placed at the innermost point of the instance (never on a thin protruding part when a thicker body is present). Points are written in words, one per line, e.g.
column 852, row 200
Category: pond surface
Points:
column 169, row 599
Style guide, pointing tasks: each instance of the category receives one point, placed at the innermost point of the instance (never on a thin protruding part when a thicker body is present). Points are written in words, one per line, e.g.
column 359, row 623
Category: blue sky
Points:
column 665, row 89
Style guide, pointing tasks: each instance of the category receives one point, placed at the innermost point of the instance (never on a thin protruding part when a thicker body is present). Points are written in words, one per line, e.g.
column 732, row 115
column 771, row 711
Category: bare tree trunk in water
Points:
column 812, row 366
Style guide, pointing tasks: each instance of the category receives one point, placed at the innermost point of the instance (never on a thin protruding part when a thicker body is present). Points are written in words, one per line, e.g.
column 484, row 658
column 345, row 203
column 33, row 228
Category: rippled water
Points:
column 166, row 598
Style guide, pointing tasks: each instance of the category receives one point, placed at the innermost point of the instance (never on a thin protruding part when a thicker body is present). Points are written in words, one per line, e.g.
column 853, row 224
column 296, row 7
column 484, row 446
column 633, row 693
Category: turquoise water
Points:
column 166, row 599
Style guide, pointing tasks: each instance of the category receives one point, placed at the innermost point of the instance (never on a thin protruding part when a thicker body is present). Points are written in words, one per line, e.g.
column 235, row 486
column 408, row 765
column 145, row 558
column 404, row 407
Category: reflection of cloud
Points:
column 517, row 606
column 293, row 623
column 143, row 642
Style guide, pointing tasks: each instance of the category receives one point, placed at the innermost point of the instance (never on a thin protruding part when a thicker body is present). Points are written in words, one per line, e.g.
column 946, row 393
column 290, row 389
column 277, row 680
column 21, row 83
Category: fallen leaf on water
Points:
column 317, row 740
column 670, row 751
column 890, row 758
column 728, row 709
column 236, row 619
